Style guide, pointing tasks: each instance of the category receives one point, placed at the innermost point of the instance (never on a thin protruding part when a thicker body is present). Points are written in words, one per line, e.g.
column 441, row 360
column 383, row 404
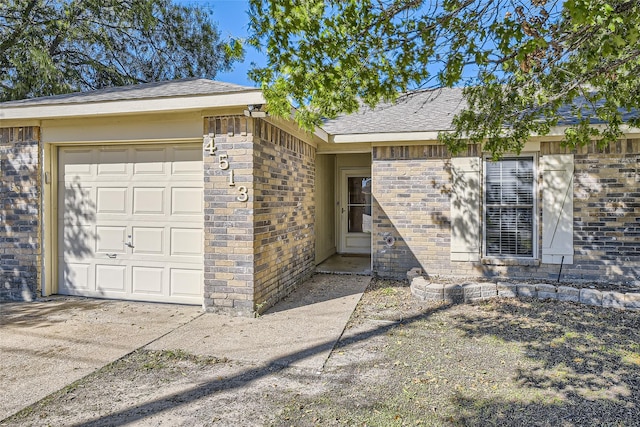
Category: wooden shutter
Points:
column 557, row 208
column 465, row 209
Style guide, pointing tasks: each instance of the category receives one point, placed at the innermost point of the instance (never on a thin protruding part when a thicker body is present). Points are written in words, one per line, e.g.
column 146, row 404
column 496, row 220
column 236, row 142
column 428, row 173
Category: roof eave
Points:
column 132, row 106
column 559, row 131
column 432, row 136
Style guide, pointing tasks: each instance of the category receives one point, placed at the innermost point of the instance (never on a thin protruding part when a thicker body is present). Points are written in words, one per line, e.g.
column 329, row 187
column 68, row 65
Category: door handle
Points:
column 112, row 255
column 129, row 243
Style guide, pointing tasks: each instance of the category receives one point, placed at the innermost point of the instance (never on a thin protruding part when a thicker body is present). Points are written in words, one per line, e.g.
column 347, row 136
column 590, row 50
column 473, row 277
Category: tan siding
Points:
column 126, row 128
column 325, row 207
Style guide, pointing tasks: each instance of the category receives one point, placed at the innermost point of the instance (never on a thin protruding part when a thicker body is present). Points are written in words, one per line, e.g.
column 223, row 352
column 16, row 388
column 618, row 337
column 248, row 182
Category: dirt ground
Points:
column 399, row 363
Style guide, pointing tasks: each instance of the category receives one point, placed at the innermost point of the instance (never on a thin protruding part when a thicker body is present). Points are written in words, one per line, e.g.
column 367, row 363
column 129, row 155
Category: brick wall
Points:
column 284, row 173
column 606, row 210
column 258, row 250
column 411, row 187
column 20, row 213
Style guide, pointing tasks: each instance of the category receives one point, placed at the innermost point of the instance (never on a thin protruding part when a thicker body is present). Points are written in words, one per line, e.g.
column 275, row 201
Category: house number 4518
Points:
column 223, row 162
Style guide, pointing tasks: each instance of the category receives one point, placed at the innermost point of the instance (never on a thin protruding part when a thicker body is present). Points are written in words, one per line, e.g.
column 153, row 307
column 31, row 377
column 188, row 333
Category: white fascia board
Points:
column 556, row 132
column 320, row 133
column 132, row 106
column 385, row 137
column 559, row 131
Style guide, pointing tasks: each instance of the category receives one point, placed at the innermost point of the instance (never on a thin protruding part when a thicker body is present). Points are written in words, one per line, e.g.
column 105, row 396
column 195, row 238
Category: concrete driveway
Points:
column 47, row 345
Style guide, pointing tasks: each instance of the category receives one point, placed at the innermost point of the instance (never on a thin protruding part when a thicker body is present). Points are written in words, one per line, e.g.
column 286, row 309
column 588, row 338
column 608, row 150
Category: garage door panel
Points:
column 77, row 163
column 186, row 201
column 79, row 205
column 153, row 194
column 77, row 241
column 76, row 277
column 186, row 242
column 148, row 241
column 149, row 201
column 148, row 280
column 112, row 200
column 187, row 162
column 149, row 161
column 185, row 282
column 111, row 278
column 111, row 239
column 112, row 162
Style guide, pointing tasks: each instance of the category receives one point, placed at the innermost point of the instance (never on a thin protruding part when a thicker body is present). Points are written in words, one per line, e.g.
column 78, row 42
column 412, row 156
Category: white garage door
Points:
column 130, row 222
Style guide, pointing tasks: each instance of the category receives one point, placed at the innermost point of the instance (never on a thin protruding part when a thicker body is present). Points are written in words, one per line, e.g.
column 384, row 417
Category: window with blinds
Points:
column 509, row 207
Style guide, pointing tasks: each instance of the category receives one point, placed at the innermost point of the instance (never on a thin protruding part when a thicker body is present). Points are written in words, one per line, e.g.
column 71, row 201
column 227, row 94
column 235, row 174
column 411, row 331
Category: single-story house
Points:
column 188, row 192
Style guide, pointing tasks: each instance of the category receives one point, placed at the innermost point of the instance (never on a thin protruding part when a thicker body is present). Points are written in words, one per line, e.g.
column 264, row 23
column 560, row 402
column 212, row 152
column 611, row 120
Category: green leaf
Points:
column 51, row 47
column 522, row 66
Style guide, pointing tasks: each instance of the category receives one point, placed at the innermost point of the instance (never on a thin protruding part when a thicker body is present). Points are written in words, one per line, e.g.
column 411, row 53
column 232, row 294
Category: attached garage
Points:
column 130, row 222
column 180, row 192
column 110, row 194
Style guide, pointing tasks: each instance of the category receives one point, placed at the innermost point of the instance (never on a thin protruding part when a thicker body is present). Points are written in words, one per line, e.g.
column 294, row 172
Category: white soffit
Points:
column 134, row 106
column 385, row 137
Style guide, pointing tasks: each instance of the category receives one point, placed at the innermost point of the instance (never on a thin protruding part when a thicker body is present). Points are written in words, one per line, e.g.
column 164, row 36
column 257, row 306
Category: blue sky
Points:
column 232, row 20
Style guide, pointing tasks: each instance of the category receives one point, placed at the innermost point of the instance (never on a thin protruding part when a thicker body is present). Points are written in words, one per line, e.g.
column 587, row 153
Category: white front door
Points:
column 130, row 222
column 355, row 211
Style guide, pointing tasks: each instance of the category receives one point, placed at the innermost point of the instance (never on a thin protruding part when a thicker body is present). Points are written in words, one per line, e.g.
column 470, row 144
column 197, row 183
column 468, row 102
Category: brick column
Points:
column 259, row 232
column 228, row 222
column 19, row 213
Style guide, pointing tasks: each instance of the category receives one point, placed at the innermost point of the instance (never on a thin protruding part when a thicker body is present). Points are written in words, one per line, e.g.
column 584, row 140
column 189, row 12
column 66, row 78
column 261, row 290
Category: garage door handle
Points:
column 112, row 255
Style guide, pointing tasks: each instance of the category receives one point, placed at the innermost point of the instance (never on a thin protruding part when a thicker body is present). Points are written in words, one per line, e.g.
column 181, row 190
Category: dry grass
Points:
column 500, row 362
column 503, row 362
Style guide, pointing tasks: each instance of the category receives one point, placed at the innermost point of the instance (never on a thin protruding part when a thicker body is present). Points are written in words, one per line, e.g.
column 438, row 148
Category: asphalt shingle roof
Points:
column 419, row 111
column 432, row 111
column 165, row 89
column 568, row 118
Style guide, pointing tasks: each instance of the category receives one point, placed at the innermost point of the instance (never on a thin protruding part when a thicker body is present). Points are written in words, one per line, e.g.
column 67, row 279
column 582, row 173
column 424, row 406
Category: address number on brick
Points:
column 208, row 145
column 224, row 164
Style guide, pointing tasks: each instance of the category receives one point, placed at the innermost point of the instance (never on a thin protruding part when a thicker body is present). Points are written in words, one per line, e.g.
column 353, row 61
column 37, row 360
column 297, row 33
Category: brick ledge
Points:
column 476, row 291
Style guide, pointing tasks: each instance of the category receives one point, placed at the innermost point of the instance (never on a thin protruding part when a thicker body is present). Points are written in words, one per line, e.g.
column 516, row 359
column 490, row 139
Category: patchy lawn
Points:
column 400, row 363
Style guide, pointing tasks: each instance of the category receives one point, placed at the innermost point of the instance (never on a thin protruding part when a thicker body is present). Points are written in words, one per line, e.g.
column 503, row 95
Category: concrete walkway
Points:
column 49, row 344
column 299, row 331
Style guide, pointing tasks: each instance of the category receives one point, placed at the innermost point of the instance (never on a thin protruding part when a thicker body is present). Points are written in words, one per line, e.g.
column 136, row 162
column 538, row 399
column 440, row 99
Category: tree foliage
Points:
column 57, row 46
column 525, row 65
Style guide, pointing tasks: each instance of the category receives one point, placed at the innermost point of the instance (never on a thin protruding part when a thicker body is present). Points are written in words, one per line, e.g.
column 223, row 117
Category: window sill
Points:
column 523, row 262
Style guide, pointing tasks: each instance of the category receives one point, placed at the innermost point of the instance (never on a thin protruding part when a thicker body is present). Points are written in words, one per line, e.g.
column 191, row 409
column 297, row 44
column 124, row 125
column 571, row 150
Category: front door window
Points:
column 359, row 204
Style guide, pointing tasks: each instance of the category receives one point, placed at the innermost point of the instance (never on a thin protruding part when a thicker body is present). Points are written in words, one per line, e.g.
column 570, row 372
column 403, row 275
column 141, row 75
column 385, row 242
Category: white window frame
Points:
column 535, row 213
